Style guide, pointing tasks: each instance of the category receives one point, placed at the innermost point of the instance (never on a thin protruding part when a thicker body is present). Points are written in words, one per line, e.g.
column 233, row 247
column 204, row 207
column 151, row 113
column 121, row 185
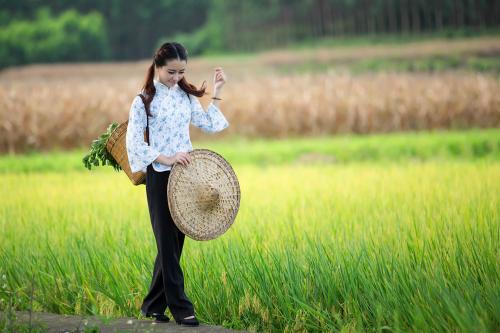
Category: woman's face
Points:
column 172, row 72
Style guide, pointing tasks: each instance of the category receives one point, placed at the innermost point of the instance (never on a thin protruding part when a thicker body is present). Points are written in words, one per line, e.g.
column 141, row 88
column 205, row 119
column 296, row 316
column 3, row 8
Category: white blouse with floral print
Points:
column 171, row 113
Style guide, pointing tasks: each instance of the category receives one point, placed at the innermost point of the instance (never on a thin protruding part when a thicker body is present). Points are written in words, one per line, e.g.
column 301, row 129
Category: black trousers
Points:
column 167, row 285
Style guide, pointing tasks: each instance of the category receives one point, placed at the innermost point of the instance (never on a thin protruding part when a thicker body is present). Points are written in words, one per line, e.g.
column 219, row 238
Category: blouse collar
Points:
column 160, row 87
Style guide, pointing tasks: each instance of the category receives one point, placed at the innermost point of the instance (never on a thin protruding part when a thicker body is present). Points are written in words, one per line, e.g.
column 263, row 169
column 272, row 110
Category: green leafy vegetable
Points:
column 99, row 153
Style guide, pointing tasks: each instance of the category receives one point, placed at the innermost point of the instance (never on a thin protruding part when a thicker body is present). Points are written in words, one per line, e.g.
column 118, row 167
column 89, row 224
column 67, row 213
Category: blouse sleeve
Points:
column 211, row 121
column 140, row 154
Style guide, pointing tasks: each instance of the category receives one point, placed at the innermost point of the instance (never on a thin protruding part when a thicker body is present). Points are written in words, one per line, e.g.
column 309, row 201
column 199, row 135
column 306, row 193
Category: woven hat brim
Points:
column 187, row 195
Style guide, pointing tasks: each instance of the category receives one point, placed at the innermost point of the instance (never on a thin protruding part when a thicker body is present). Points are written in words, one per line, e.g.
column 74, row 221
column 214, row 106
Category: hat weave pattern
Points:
column 203, row 196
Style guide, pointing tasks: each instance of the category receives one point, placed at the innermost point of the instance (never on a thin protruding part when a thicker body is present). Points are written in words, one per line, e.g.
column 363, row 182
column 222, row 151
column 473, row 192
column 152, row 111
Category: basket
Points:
column 116, row 146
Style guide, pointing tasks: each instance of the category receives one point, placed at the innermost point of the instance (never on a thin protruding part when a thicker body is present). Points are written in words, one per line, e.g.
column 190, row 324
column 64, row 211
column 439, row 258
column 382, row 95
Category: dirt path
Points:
column 67, row 323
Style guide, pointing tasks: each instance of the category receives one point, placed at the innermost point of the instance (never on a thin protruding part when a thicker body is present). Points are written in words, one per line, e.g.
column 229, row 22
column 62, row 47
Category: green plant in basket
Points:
column 98, row 154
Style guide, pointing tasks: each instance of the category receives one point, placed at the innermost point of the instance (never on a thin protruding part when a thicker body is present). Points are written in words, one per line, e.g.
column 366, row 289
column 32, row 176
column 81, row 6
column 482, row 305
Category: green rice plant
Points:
column 325, row 247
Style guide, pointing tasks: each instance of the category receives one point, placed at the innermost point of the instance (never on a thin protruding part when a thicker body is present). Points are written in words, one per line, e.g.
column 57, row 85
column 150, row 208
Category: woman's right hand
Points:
column 180, row 157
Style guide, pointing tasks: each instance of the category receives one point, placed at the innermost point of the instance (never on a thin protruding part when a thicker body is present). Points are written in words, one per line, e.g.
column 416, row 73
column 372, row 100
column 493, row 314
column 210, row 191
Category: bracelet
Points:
column 217, row 98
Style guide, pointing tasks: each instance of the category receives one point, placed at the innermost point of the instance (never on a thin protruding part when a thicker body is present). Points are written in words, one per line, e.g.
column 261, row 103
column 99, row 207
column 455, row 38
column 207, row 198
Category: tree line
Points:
column 88, row 30
column 282, row 21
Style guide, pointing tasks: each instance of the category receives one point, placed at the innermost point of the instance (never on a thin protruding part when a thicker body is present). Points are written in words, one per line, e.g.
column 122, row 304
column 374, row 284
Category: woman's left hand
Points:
column 219, row 78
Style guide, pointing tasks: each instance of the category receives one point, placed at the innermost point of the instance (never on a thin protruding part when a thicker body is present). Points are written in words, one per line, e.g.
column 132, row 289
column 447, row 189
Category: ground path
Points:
column 68, row 323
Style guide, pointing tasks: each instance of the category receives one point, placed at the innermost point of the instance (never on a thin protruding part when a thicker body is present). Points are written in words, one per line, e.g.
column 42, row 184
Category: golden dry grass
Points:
column 68, row 105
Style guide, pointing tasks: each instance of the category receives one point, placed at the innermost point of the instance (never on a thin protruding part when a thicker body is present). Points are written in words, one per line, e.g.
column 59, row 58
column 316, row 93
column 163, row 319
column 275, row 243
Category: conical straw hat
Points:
column 203, row 196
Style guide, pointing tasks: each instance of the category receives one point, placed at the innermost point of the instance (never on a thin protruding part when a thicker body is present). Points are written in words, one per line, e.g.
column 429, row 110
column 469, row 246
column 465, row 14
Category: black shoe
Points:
column 188, row 322
column 159, row 317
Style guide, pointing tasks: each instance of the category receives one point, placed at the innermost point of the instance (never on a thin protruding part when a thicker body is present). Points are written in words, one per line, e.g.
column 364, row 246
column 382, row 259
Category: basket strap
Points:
column 147, row 118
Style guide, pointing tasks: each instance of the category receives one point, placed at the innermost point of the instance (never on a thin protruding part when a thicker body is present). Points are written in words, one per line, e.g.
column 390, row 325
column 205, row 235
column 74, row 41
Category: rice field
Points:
column 396, row 243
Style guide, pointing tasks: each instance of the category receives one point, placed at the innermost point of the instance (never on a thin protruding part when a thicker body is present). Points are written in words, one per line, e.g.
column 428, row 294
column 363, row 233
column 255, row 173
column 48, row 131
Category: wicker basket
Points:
column 116, row 146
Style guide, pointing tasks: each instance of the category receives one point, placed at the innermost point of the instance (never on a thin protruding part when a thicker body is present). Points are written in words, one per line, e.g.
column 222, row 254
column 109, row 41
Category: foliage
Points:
column 131, row 28
column 134, row 28
column 99, row 153
column 257, row 25
column 67, row 37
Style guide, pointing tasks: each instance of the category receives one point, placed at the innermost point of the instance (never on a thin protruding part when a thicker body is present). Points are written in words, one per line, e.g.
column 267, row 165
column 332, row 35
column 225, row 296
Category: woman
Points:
column 172, row 104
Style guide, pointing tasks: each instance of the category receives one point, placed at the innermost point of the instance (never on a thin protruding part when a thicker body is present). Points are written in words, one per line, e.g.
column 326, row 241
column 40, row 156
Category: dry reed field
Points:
column 68, row 105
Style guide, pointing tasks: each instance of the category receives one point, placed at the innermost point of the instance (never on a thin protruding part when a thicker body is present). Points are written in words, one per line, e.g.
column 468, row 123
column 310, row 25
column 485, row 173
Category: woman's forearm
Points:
column 216, row 101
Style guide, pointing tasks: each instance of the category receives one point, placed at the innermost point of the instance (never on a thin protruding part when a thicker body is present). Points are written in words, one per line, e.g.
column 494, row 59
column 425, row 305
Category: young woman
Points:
column 172, row 104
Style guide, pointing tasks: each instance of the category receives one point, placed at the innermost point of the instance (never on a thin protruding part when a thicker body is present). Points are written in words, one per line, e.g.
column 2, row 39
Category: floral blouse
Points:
column 171, row 113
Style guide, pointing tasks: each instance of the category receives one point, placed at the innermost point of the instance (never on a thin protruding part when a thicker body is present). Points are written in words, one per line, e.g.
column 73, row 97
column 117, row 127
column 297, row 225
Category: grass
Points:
column 378, row 244
column 421, row 146
column 367, row 39
column 480, row 62
column 430, row 64
column 9, row 301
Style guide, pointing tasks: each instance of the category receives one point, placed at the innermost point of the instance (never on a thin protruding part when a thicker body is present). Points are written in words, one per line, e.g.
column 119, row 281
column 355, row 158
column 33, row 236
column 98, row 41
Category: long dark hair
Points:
column 166, row 52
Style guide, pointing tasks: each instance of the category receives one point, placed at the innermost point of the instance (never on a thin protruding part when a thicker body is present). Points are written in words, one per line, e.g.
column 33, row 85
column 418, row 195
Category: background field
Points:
column 404, row 238
column 311, row 91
